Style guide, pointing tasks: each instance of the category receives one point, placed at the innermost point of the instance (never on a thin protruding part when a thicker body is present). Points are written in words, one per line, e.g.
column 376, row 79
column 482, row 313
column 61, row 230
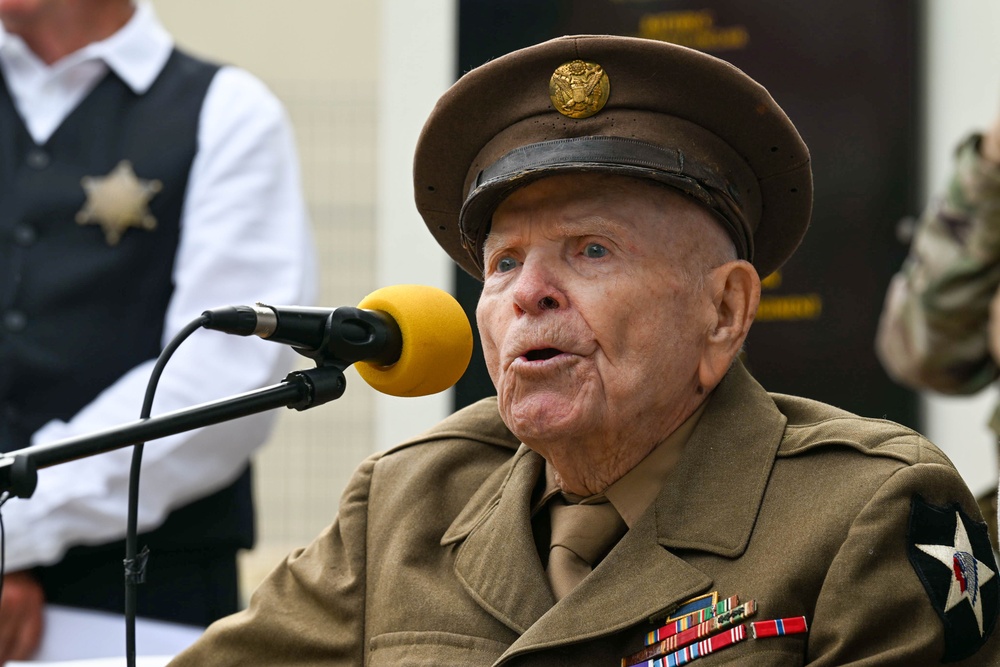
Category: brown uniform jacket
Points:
column 800, row 506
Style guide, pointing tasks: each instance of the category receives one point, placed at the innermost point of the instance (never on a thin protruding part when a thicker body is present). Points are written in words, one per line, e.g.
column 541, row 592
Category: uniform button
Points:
column 24, row 234
column 38, row 158
column 14, row 321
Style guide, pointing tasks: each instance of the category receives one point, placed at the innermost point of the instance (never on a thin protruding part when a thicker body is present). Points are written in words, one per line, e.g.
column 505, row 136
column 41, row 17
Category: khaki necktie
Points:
column 581, row 535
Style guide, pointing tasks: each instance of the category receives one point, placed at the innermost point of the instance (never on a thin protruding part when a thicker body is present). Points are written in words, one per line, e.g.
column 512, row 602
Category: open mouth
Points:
column 542, row 354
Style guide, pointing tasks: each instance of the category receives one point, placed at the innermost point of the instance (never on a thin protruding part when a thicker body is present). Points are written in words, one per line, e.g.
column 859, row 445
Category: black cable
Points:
column 135, row 564
column 4, row 497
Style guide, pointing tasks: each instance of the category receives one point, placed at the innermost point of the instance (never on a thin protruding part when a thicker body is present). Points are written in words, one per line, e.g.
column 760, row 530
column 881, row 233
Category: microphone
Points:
column 404, row 340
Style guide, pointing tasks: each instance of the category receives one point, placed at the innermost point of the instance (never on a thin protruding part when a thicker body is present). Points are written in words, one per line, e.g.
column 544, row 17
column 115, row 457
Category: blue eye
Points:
column 506, row 264
column 595, row 250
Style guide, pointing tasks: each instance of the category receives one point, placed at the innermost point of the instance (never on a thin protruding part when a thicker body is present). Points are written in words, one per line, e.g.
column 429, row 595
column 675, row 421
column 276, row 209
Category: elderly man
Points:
column 632, row 495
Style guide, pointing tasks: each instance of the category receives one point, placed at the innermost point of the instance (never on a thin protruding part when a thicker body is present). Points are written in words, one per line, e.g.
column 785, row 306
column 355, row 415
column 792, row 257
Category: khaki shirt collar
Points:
column 637, row 489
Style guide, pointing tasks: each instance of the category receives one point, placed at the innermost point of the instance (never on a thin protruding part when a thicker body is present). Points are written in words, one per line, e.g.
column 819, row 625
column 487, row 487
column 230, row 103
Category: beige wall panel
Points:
column 320, row 57
column 296, row 40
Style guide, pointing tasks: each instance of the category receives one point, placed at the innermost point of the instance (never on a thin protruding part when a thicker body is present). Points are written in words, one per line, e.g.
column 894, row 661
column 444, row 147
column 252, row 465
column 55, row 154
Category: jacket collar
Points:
column 709, row 503
column 713, row 496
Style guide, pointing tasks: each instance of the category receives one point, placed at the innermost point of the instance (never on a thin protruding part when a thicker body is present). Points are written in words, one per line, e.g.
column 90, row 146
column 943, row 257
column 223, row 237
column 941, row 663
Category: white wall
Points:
column 962, row 94
column 307, row 41
column 417, row 64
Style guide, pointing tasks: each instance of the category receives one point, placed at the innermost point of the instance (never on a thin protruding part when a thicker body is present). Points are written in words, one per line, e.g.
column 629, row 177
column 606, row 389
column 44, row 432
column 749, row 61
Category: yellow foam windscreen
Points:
column 437, row 341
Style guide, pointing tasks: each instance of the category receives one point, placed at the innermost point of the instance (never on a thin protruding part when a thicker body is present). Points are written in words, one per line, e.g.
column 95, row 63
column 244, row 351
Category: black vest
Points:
column 75, row 312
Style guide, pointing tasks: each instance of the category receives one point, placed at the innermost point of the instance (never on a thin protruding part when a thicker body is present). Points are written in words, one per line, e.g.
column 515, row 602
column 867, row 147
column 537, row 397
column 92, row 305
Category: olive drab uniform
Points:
column 810, row 512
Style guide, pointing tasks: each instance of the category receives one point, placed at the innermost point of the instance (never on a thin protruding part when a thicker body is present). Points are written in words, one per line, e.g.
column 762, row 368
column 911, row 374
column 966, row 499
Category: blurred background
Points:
column 881, row 90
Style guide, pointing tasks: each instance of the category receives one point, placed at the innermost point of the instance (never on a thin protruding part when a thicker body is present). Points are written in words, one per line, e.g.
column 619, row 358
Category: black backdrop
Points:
column 847, row 75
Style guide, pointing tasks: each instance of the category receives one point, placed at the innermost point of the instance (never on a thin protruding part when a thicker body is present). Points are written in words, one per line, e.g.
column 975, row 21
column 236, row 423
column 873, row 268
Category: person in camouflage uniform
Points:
column 940, row 325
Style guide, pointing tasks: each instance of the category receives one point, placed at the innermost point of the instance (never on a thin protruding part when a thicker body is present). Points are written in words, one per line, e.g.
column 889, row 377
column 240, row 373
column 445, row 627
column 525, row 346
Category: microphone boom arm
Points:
column 300, row 390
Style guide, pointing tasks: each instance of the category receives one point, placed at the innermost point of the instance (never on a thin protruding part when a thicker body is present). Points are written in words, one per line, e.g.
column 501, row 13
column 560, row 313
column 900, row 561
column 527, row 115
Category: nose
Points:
column 537, row 289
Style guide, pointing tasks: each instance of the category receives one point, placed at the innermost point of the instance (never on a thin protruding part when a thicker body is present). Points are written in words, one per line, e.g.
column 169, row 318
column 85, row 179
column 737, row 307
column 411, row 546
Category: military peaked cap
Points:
column 619, row 105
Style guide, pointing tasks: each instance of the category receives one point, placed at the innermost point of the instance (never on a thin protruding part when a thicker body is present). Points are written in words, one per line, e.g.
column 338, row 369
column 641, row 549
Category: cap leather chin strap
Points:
column 604, row 154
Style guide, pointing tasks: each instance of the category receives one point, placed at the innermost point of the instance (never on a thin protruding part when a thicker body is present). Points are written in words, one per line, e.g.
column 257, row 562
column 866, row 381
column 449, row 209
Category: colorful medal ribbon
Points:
column 690, row 620
column 701, row 649
column 779, row 626
column 684, row 637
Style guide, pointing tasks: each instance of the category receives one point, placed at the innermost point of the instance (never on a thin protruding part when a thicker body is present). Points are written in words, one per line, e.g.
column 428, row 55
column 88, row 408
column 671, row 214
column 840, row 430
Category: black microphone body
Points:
column 343, row 335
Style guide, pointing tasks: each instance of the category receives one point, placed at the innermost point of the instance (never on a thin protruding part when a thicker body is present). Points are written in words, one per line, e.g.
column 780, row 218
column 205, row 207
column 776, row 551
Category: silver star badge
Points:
column 968, row 574
column 118, row 201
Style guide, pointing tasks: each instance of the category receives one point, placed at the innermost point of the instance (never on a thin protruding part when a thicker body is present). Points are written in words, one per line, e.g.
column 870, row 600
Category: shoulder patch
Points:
column 951, row 554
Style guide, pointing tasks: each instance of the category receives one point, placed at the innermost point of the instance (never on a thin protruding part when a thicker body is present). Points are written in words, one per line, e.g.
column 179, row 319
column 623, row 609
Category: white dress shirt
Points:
column 244, row 237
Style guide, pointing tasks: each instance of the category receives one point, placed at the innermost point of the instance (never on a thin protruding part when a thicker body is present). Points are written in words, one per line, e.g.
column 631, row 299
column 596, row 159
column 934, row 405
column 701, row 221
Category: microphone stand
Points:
column 300, row 390
column 333, row 340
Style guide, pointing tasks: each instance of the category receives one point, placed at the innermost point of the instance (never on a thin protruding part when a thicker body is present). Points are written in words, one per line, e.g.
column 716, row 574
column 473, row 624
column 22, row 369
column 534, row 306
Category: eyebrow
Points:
column 491, row 243
column 586, row 226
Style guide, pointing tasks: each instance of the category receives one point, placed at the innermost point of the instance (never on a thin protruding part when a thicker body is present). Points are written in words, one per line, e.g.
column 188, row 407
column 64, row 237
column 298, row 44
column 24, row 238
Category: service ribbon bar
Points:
column 685, row 637
column 690, row 620
column 701, row 649
column 779, row 626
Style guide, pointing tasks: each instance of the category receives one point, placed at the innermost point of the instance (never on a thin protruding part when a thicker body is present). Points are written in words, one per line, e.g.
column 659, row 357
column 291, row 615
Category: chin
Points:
column 540, row 421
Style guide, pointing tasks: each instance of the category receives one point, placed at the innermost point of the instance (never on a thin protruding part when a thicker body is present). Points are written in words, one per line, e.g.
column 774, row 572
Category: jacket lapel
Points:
column 711, row 500
column 635, row 581
column 497, row 561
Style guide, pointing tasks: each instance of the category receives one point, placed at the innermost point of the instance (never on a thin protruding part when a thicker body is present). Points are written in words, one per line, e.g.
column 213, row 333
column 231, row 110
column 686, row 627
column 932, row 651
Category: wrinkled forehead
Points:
column 576, row 193
column 596, row 204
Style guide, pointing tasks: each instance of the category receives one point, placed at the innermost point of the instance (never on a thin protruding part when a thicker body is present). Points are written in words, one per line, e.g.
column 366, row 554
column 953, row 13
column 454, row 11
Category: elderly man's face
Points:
column 594, row 313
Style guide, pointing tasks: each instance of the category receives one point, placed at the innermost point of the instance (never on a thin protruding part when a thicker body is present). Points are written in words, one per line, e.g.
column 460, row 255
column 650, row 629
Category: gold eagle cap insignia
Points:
column 579, row 89
column 118, row 201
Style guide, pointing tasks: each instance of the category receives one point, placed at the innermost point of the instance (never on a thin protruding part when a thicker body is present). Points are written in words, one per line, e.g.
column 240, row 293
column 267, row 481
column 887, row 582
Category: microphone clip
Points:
column 357, row 334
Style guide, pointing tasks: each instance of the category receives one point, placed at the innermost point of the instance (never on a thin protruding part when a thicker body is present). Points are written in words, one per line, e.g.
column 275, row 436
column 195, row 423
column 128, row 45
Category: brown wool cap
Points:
column 621, row 105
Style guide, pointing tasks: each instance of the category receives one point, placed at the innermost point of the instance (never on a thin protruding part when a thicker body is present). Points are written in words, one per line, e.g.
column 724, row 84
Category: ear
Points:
column 734, row 289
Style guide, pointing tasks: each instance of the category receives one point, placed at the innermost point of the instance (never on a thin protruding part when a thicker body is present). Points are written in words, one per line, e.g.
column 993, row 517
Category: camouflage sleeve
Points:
column 934, row 329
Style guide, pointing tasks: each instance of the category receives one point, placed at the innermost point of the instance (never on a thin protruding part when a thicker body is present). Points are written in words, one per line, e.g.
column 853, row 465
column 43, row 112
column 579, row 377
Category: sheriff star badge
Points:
column 118, row 201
